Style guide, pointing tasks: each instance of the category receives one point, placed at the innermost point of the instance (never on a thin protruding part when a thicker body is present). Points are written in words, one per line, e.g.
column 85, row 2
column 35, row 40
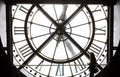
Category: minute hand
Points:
column 69, row 37
column 63, row 14
column 63, row 18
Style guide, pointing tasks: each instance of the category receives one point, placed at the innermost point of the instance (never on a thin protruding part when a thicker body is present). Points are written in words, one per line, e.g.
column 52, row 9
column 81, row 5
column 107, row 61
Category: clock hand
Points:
column 69, row 46
column 63, row 18
column 58, row 39
column 63, row 14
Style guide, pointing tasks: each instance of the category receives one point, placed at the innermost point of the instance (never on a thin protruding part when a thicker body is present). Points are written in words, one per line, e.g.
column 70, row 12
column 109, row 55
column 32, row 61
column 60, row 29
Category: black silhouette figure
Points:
column 92, row 65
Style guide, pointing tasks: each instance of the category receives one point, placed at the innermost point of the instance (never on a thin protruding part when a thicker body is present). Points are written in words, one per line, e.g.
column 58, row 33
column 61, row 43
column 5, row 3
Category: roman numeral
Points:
column 79, row 65
column 95, row 48
column 40, row 65
column 100, row 31
column 18, row 19
column 19, row 30
column 76, row 65
column 60, row 70
column 25, row 50
column 97, row 9
column 25, row 10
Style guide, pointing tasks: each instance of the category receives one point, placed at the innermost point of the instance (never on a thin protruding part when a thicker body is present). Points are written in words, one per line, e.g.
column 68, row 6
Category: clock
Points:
column 53, row 40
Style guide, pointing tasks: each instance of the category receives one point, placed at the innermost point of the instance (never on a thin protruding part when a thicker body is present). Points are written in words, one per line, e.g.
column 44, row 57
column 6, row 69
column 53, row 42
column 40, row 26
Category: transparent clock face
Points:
column 55, row 39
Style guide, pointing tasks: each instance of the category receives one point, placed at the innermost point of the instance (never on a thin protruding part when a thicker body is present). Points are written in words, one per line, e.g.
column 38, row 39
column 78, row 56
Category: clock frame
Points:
column 24, row 68
column 25, row 52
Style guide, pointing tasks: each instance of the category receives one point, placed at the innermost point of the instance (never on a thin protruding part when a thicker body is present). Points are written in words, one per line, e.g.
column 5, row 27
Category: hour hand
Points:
column 69, row 46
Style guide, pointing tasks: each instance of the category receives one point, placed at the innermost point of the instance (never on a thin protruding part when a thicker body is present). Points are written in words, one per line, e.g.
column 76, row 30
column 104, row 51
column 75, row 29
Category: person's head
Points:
column 91, row 54
column 92, row 57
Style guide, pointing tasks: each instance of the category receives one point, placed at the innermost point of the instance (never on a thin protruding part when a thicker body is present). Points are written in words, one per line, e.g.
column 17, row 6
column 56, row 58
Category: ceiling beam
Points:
column 105, row 2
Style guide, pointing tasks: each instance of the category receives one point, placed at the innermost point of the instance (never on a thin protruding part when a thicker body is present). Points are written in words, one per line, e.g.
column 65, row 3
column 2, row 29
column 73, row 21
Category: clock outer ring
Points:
column 60, row 61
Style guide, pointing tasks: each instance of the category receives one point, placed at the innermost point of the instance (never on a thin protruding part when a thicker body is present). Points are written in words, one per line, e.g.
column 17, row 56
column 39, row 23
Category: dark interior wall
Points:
column 115, row 63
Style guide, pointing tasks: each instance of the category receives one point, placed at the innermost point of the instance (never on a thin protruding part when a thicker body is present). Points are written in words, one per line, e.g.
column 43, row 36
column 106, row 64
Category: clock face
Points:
column 55, row 40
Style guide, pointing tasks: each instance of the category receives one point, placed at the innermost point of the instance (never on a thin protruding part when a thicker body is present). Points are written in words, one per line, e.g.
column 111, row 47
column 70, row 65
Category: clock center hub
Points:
column 60, row 35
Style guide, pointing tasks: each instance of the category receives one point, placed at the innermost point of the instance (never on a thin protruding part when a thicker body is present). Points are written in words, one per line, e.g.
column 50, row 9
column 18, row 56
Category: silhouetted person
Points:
column 4, row 64
column 92, row 64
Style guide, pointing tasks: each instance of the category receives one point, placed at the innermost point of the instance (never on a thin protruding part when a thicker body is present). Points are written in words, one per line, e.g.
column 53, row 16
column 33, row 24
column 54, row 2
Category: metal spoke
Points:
column 32, row 38
column 55, row 12
column 57, row 43
column 65, row 48
column 33, row 23
column 50, row 69
column 80, row 35
column 42, row 25
column 39, row 36
column 79, row 25
column 73, row 15
column 87, row 37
